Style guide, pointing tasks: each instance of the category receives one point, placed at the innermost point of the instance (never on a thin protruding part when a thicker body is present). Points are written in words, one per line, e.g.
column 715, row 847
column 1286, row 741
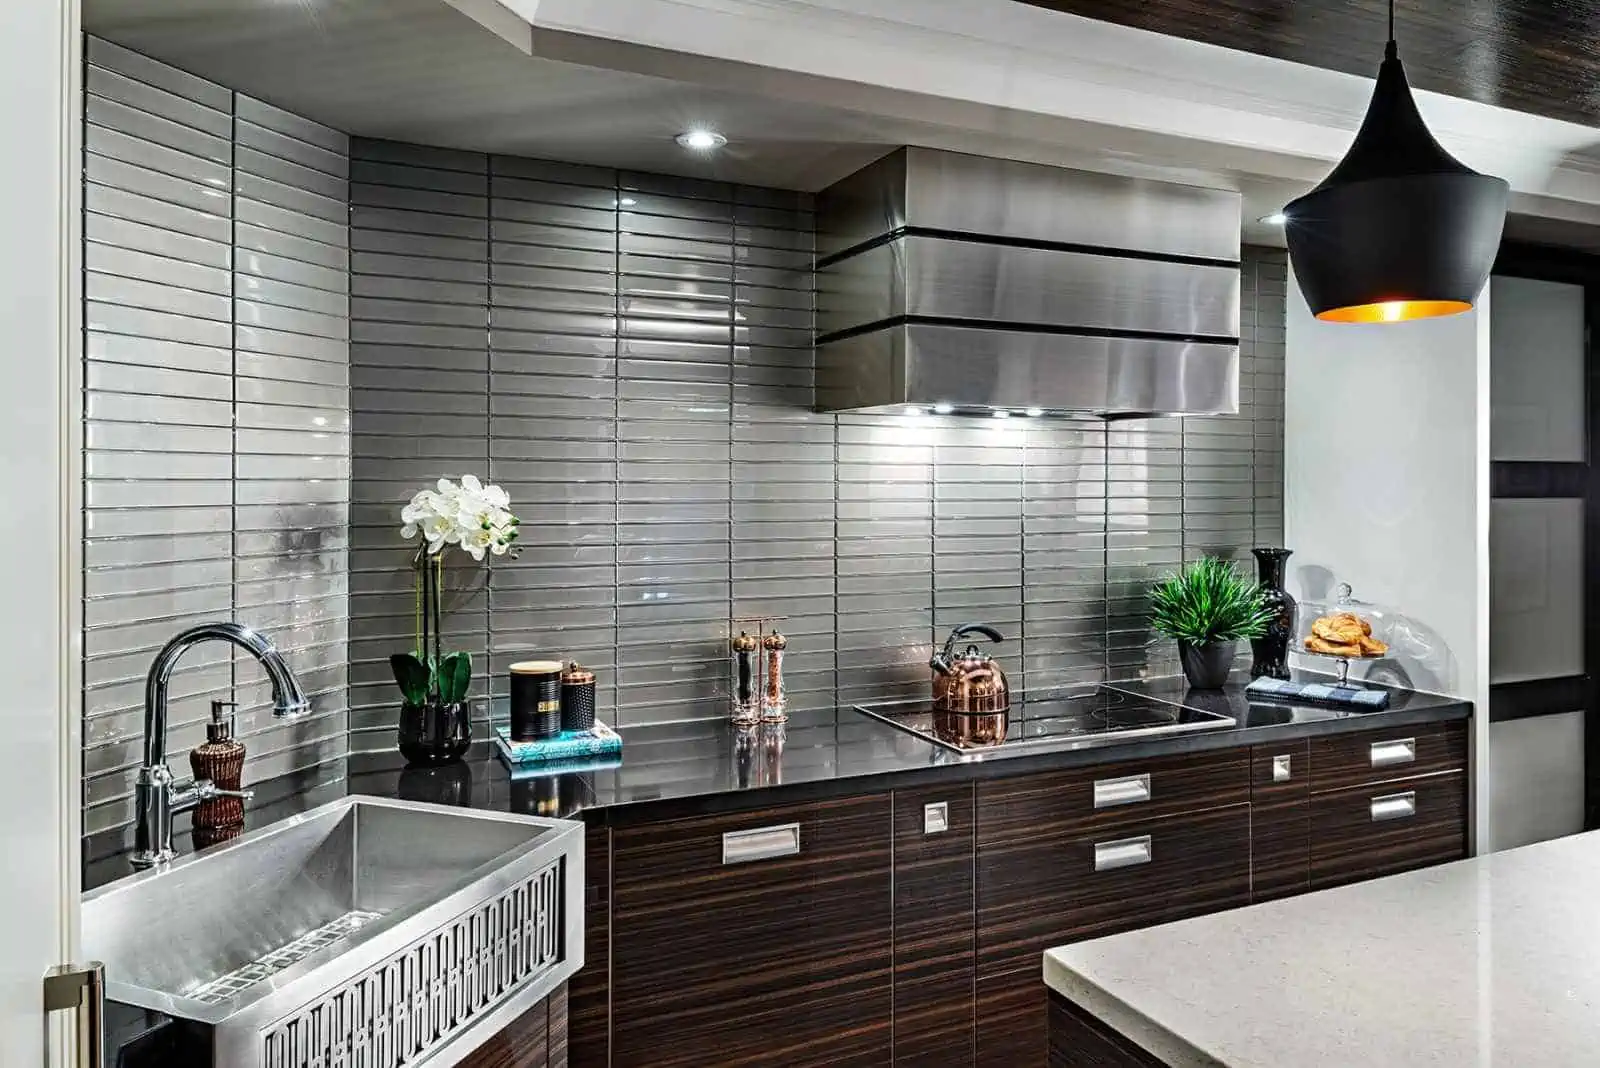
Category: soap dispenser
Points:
column 220, row 759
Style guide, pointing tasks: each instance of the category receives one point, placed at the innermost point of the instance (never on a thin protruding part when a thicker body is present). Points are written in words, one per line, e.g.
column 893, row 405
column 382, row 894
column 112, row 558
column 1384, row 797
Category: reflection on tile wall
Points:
column 217, row 420
column 630, row 356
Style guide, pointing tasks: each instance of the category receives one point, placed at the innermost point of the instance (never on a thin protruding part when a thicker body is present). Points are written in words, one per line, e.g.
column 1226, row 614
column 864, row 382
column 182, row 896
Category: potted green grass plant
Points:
column 1208, row 607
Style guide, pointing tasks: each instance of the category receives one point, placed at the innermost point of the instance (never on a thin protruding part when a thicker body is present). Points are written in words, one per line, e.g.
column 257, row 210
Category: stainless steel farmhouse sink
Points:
column 365, row 932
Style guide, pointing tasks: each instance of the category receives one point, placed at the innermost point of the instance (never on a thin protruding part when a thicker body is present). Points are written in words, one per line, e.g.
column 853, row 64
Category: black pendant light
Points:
column 1400, row 229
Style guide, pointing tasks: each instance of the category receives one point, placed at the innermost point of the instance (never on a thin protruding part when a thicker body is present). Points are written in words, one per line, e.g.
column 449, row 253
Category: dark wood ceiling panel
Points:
column 1537, row 56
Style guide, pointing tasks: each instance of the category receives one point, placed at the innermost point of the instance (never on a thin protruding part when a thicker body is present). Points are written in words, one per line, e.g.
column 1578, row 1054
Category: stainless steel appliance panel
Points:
column 1044, row 287
column 863, row 207
column 944, row 278
column 1004, row 198
column 925, row 364
column 938, row 190
column 866, row 287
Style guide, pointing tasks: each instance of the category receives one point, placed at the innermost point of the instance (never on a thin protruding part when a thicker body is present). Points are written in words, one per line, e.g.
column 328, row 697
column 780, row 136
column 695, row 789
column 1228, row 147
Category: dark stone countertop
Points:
column 686, row 769
column 694, row 768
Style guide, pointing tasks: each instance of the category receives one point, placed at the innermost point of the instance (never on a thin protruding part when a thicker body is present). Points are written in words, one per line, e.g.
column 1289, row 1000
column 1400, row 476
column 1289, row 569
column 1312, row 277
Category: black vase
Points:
column 1272, row 648
column 1206, row 666
column 434, row 733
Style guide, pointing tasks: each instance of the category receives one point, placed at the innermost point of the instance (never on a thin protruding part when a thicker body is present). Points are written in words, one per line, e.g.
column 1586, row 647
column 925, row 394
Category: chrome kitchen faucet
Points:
column 158, row 796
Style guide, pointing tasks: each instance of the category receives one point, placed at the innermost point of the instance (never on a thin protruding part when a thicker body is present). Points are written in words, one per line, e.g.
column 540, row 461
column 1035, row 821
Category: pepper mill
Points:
column 220, row 759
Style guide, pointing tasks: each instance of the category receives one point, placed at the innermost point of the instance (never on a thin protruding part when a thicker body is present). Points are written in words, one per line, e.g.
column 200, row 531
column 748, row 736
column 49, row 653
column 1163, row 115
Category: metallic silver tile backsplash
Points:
column 217, row 419
column 630, row 356
column 289, row 333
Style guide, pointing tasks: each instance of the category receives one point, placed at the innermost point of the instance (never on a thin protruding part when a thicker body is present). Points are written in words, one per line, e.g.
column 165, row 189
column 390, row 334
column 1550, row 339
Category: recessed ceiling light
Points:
column 943, row 408
column 1277, row 218
column 1035, row 413
column 912, row 409
column 626, row 202
column 1001, row 413
column 701, row 140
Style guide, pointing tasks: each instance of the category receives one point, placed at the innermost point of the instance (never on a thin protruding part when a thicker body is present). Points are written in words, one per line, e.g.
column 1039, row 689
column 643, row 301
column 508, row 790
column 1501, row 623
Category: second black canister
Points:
column 535, row 700
column 577, row 698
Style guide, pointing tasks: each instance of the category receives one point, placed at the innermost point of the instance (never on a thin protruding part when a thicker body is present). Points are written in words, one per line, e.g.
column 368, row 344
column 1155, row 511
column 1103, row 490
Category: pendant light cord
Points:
column 1389, row 50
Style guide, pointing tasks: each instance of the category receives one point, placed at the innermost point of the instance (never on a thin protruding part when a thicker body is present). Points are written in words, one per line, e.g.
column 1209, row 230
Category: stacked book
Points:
column 595, row 749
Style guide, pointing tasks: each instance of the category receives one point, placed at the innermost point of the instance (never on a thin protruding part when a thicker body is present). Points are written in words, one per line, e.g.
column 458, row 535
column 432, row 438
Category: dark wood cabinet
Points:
column 933, row 910
column 1090, row 799
column 1079, row 1040
column 1053, row 887
column 1011, row 1023
column 907, row 929
column 1342, row 760
column 536, row 1039
column 589, row 991
column 1384, row 828
column 761, row 938
column 1280, row 820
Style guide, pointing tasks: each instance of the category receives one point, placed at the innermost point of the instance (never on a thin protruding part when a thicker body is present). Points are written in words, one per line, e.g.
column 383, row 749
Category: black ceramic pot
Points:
column 1206, row 666
column 434, row 733
column 1271, row 650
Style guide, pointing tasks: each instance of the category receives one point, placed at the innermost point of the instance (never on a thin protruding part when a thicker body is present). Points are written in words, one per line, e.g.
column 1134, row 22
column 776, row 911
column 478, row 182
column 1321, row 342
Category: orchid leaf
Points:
column 455, row 677
column 412, row 676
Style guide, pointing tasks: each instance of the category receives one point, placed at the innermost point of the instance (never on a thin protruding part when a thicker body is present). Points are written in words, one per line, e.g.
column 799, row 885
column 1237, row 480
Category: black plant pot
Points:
column 1271, row 650
column 434, row 733
column 1206, row 666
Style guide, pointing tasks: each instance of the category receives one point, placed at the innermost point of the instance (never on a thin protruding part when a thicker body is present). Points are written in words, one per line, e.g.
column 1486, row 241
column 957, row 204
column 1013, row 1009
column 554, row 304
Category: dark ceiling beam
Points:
column 1537, row 56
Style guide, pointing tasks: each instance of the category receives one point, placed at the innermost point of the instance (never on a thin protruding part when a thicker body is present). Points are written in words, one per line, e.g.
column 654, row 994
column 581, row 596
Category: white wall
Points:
column 1386, row 487
column 39, row 119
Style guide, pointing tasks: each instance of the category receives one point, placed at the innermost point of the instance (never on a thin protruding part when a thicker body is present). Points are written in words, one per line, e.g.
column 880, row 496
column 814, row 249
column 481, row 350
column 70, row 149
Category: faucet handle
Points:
column 206, row 789
column 187, row 793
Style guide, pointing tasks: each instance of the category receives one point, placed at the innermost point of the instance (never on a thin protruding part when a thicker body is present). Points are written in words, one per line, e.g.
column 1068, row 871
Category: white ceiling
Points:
column 806, row 90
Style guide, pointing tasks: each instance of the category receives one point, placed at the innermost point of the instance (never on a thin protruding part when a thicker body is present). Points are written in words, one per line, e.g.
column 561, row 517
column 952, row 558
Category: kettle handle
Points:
column 968, row 629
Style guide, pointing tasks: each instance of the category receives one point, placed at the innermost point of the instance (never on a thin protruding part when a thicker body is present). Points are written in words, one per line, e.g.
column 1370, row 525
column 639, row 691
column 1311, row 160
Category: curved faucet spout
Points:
column 157, row 795
column 288, row 699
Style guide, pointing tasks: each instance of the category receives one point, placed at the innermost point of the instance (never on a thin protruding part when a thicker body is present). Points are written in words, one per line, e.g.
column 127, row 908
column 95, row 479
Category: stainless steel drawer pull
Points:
column 1280, row 768
column 1399, row 751
column 761, row 843
column 1123, row 853
column 1394, row 806
column 1127, row 790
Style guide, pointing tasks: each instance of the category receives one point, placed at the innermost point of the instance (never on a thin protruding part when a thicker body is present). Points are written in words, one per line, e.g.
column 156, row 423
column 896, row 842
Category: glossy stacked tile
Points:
column 630, row 356
column 217, row 414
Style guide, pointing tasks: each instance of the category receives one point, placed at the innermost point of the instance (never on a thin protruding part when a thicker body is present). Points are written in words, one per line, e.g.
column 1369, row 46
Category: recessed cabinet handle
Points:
column 1127, row 790
column 1394, row 806
column 1280, row 768
column 1399, row 751
column 1123, row 853
column 761, row 843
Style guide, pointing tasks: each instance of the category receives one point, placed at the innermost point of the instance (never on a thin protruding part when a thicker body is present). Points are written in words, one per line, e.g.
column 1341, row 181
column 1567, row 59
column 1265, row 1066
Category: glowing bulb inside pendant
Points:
column 1393, row 310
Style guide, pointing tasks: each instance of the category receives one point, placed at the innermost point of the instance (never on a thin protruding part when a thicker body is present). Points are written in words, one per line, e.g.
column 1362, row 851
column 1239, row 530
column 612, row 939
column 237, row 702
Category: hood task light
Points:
column 1400, row 229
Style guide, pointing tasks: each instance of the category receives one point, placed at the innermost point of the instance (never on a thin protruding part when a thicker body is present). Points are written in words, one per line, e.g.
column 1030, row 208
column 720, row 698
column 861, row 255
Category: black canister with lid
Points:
column 577, row 698
column 535, row 700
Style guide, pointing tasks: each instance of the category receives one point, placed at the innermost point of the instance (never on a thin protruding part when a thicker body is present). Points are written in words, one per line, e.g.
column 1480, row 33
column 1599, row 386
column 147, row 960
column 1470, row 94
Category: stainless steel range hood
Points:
column 979, row 284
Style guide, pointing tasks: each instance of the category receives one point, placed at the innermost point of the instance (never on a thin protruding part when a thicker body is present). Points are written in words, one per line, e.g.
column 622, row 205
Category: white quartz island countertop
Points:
column 1485, row 963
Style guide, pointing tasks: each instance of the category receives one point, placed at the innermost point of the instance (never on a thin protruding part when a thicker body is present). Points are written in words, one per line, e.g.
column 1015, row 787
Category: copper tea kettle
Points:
column 971, row 683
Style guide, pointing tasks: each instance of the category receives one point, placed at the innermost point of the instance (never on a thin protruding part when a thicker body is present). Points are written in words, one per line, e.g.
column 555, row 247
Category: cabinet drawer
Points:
column 1011, row 1019
column 1344, row 760
column 1390, row 827
column 1048, row 890
column 1280, row 820
column 757, row 938
column 1108, row 795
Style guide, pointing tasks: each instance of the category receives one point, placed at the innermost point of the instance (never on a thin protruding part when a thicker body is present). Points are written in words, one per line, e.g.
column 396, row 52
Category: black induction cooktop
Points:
column 1098, row 717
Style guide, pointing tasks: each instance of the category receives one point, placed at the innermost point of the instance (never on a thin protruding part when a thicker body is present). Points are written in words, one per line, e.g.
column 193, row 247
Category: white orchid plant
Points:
column 478, row 519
